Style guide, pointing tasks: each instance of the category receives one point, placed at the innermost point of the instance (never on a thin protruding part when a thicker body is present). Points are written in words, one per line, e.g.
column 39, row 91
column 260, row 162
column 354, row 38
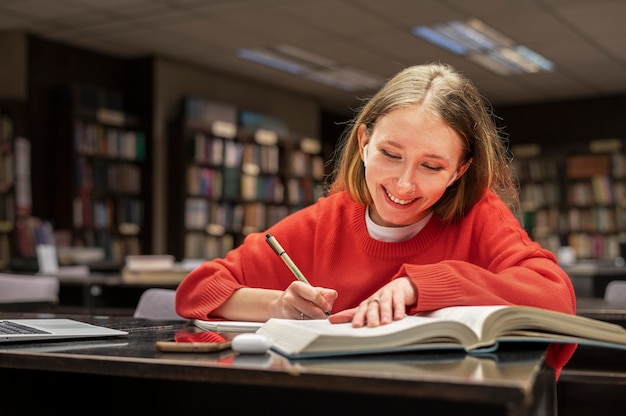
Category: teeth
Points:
column 398, row 201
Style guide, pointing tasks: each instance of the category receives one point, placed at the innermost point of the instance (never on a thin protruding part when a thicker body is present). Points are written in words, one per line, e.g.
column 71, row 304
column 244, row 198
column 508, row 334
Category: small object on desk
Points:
column 227, row 326
column 173, row 346
column 273, row 242
column 251, row 343
column 194, row 342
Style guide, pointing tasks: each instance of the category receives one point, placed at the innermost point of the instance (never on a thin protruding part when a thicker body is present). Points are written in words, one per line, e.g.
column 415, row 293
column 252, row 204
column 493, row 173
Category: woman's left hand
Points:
column 387, row 304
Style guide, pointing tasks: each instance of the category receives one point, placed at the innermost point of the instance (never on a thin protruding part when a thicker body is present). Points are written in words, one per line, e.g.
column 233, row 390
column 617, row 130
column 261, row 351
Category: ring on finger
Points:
column 374, row 300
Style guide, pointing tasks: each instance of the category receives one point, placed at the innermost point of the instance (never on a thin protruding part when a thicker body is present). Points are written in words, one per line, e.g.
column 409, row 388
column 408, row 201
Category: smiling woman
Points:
column 418, row 217
column 414, row 158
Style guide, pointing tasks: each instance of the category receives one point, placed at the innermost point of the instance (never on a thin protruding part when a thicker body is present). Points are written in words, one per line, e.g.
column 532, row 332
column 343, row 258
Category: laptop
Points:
column 43, row 329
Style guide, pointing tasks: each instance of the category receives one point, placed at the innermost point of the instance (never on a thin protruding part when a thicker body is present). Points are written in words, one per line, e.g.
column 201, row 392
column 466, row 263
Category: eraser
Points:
column 250, row 343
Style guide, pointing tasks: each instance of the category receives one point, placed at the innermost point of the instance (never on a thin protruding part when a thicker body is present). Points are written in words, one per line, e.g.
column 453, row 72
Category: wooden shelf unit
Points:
column 232, row 173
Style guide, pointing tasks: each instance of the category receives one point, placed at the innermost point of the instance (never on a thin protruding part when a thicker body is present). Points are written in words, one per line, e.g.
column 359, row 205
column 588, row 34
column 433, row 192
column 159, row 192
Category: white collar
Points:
column 393, row 234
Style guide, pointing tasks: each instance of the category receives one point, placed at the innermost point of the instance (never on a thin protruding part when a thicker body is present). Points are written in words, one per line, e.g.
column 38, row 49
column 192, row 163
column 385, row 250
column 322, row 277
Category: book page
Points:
column 472, row 316
column 320, row 336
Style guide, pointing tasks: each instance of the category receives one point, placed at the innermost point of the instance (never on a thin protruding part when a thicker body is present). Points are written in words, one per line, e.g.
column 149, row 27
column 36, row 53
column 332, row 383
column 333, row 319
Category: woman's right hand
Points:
column 303, row 301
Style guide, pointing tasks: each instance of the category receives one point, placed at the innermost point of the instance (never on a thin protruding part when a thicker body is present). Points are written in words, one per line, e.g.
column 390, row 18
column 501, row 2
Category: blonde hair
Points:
column 454, row 98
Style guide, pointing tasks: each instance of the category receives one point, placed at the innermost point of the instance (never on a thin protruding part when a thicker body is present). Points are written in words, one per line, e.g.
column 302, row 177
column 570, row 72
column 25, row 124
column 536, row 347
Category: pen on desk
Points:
column 273, row 242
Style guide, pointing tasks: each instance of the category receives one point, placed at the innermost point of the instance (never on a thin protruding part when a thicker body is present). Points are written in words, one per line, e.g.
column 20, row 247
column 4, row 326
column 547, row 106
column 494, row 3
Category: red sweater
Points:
column 485, row 259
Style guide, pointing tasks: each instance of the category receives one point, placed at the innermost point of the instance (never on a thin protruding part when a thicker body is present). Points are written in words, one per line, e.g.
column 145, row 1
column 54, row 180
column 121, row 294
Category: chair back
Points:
column 157, row 304
column 16, row 288
column 615, row 292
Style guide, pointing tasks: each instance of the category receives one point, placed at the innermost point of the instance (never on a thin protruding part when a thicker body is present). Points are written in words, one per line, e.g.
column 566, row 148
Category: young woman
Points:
column 419, row 216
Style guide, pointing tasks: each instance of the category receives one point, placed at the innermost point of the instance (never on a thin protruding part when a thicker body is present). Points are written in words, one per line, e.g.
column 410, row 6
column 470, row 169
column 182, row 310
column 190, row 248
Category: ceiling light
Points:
column 485, row 46
column 267, row 58
column 311, row 66
column 306, row 56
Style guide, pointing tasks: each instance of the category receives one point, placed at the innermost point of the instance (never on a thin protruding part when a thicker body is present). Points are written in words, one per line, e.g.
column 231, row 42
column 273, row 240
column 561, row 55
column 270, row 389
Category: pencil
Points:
column 273, row 242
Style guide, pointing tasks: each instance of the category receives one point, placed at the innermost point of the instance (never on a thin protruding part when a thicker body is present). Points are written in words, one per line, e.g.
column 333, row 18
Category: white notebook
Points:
column 12, row 330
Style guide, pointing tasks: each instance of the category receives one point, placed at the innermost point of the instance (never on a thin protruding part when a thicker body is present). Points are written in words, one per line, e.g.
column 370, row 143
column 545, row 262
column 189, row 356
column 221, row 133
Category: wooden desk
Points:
column 128, row 372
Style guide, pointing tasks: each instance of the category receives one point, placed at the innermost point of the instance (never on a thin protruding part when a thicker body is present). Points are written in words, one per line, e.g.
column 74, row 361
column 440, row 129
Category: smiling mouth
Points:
column 397, row 200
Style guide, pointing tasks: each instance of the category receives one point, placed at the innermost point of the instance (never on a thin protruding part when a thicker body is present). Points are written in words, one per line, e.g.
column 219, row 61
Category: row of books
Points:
column 7, row 169
column 96, row 175
column 210, row 183
column 249, row 156
column 106, row 213
column 534, row 195
column 203, row 246
column 595, row 246
column 587, row 165
column 586, row 246
column 536, row 169
column 109, row 142
column 590, row 220
column 115, row 247
column 577, row 166
column 218, row 217
column 618, row 164
column 307, row 165
column 29, row 233
column 597, row 190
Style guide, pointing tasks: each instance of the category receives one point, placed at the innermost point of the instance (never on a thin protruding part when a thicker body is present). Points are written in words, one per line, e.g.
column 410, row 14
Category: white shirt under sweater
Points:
column 393, row 234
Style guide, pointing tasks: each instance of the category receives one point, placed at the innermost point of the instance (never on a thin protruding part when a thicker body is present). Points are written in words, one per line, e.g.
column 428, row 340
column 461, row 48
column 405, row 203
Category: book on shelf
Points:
column 473, row 329
column 173, row 275
column 145, row 268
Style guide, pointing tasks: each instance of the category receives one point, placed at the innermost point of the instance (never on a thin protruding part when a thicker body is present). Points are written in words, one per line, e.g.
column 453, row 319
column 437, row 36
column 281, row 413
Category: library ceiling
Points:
column 339, row 50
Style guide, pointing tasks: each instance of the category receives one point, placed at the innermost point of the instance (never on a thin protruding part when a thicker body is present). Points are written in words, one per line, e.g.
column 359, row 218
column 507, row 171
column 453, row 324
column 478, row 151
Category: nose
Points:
column 406, row 182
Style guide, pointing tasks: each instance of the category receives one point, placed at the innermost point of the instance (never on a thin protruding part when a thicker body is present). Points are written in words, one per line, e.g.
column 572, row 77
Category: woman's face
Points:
column 410, row 158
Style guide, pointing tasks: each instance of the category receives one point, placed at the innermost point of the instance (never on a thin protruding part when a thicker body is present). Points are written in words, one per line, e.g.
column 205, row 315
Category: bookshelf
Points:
column 7, row 189
column 103, row 189
column 576, row 197
column 234, row 172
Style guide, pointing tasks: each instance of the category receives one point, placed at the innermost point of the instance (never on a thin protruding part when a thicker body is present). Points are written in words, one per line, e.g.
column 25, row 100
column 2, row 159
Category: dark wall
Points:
column 566, row 124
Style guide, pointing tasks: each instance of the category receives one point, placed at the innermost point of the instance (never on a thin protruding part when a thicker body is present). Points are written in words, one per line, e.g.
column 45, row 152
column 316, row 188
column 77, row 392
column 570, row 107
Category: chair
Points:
column 28, row 292
column 157, row 304
column 615, row 291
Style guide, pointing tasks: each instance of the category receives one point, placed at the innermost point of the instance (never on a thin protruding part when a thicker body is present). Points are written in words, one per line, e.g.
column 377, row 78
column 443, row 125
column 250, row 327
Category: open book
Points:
column 474, row 329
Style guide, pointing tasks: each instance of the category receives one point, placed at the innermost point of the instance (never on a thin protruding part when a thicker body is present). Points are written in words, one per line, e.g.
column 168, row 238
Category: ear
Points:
column 460, row 171
column 363, row 142
column 452, row 179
